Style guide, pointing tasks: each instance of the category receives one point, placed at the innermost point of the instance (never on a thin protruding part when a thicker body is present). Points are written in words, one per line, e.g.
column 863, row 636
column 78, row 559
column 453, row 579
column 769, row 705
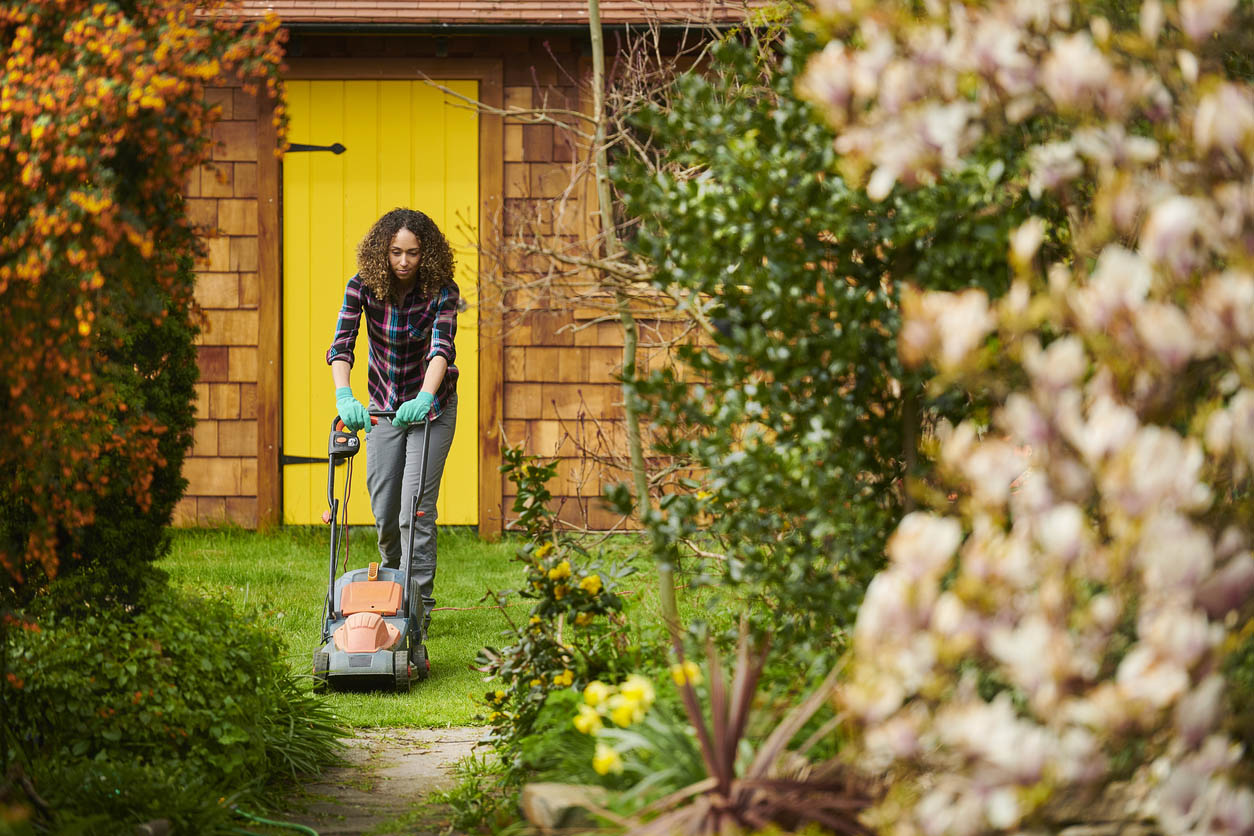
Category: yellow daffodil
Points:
column 687, row 672
column 588, row 721
column 596, row 692
column 591, row 584
column 624, row 710
column 606, row 760
column 638, row 688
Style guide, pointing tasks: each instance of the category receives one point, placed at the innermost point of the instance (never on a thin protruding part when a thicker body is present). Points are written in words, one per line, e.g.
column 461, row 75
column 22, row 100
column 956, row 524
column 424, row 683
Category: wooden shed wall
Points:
column 556, row 389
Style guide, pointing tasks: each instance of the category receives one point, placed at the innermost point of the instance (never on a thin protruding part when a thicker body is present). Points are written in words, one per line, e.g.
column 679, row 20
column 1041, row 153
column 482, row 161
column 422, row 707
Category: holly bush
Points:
column 796, row 405
column 102, row 118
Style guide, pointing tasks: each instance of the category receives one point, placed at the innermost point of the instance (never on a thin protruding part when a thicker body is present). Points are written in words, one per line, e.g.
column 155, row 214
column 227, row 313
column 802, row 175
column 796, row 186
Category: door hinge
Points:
column 299, row 146
column 285, row 459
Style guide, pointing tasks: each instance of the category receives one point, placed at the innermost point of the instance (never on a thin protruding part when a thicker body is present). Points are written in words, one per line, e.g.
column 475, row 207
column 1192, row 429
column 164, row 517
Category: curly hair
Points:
column 435, row 256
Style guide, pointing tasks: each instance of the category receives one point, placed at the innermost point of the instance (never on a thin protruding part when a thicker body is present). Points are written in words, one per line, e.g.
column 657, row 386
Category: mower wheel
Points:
column 400, row 671
column 321, row 662
column 422, row 664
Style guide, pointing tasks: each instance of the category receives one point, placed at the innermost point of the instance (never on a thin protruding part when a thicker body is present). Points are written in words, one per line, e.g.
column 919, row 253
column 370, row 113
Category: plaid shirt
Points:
column 403, row 340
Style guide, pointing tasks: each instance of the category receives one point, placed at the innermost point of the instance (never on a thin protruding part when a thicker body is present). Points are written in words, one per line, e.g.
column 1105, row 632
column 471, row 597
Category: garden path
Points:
column 387, row 772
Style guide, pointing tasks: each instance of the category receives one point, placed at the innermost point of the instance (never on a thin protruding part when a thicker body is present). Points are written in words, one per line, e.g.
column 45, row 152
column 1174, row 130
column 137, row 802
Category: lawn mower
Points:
column 372, row 620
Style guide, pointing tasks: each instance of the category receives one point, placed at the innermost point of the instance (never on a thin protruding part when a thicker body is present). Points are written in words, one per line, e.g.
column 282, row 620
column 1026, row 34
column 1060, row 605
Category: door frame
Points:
column 490, row 75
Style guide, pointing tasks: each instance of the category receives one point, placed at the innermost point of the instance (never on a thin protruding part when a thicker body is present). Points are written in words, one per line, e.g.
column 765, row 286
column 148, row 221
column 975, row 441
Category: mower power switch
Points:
column 343, row 444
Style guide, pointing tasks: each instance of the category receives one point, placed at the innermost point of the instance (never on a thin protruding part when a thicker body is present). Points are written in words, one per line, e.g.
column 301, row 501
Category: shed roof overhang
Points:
column 457, row 16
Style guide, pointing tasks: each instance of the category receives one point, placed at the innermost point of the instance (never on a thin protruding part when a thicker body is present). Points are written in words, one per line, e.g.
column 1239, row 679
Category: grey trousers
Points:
column 393, row 465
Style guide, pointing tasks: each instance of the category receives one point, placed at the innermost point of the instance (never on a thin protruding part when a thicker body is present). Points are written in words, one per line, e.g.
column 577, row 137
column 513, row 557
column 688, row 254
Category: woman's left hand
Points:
column 413, row 411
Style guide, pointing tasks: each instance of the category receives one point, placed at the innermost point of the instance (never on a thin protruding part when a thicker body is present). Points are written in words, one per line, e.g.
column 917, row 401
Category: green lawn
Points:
column 285, row 573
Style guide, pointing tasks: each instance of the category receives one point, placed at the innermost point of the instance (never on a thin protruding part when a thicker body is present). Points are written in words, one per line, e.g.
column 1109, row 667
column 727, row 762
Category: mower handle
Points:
column 337, row 423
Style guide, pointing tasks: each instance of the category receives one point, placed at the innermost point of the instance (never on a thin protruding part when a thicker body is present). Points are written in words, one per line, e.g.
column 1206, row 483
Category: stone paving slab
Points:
column 387, row 772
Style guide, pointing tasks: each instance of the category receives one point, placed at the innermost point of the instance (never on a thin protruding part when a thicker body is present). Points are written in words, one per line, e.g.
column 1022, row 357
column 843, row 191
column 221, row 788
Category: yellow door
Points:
column 404, row 146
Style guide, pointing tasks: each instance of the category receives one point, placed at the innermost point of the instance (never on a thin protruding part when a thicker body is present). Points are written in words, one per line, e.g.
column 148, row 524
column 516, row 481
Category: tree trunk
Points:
column 613, row 247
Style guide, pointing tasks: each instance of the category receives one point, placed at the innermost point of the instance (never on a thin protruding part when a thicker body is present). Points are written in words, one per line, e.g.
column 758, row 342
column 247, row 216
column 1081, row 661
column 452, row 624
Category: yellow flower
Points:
column 591, row 584
column 499, row 696
column 606, row 760
column 560, row 571
column 494, row 716
column 583, row 619
column 624, row 710
column 596, row 692
column 534, row 621
column 638, row 688
column 563, row 679
column 544, row 550
column 559, row 591
column 536, row 682
column 588, row 721
column 704, row 494
column 686, row 672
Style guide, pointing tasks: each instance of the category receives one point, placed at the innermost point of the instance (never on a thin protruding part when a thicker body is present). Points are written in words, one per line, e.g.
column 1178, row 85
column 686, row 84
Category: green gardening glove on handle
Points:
column 352, row 413
column 413, row 412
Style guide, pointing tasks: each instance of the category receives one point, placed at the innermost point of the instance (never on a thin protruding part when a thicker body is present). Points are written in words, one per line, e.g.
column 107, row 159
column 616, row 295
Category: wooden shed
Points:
column 369, row 131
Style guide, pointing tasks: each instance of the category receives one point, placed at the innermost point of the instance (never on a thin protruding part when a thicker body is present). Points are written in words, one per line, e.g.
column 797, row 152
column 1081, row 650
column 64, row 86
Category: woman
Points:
column 404, row 286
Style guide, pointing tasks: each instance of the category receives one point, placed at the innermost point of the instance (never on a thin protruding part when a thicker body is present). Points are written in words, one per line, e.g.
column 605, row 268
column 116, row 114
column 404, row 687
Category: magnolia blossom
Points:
column 991, row 467
column 1061, row 365
column 1053, row 165
column 1164, row 329
column 1168, row 236
column 997, row 52
column 1034, row 653
column 944, row 327
column 1174, row 553
column 1224, row 313
column 1228, row 588
column 1110, row 145
column 1089, row 503
column 1025, row 241
column 1120, row 281
column 1075, row 71
column 1157, row 470
column 1198, row 712
column 1109, row 428
column 923, row 544
column 1023, row 421
column 1149, row 677
column 1224, row 120
column 1201, row 18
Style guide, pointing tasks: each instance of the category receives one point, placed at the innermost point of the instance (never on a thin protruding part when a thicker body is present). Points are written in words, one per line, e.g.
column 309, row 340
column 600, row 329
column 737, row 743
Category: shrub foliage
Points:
column 102, row 118
column 795, row 404
column 168, row 710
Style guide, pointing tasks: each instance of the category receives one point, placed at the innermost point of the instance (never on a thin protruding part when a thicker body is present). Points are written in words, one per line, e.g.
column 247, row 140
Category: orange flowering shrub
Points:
column 102, row 118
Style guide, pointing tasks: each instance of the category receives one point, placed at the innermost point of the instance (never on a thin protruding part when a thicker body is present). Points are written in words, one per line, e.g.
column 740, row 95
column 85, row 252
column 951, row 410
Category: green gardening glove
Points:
column 352, row 413
column 413, row 412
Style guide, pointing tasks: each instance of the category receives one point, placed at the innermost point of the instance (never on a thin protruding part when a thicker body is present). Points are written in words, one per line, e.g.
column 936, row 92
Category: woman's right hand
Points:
column 352, row 413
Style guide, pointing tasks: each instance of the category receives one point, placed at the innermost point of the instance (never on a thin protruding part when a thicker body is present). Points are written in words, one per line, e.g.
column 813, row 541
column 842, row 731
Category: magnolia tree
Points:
column 1067, row 600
